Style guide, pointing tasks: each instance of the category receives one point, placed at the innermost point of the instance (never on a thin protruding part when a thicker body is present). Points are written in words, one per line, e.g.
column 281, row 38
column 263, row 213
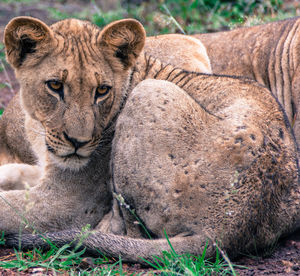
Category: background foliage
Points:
column 193, row 16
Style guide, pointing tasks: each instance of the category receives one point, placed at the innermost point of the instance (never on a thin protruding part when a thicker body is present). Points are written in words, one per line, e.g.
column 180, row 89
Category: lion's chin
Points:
column 71, row 162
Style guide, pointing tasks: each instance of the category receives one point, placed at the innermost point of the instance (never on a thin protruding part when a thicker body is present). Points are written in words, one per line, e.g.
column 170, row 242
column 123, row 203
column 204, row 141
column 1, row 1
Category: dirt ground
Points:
column 284, row 259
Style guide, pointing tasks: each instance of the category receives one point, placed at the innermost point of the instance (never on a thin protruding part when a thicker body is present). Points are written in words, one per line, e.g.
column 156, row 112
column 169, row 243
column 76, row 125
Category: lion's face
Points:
column 73, row 103
column 73, row 81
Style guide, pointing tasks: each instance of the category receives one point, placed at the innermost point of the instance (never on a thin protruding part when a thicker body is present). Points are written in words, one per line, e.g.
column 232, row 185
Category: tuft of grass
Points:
column 66, row 259
column 59, row 260
column 3, row 63
column 55, row 260
column 2, row 57
column 171, row 263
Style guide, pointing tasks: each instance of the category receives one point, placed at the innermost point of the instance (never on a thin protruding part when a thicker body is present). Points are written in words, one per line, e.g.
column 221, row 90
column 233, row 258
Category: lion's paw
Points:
column 18, row 176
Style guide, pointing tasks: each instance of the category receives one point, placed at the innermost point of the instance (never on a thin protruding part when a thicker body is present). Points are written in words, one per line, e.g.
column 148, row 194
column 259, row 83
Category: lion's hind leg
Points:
column 182, row 169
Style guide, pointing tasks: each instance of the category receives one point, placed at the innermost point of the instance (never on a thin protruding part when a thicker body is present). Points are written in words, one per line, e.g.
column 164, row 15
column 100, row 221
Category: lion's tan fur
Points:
column 267, row 53
column 179, row 50
column 205, row 157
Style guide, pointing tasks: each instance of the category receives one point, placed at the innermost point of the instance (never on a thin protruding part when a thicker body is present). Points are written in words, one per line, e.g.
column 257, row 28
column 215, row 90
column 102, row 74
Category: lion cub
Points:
column 16, row 151
column 204, row 158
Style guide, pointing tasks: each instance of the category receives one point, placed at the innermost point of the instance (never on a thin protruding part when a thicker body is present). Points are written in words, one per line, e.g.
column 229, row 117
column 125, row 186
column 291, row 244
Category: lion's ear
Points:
column 26, row 37
column 122, row 41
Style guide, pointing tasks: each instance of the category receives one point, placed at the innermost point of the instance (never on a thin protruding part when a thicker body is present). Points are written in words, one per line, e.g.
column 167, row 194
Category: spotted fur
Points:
column 267, row 53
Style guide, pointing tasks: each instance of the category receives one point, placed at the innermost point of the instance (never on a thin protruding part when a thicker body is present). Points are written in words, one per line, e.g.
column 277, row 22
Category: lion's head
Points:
column 73, row 79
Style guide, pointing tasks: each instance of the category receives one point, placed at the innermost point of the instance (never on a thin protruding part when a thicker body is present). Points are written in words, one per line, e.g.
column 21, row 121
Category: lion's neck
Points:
column 148, row 67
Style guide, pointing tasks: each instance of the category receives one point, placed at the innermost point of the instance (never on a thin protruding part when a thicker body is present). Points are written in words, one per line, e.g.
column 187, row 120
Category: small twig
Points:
column 122, row 203
column 225, row 258
column 222, row 253
column 98, row 10
column 173, row 19
column 7, row 257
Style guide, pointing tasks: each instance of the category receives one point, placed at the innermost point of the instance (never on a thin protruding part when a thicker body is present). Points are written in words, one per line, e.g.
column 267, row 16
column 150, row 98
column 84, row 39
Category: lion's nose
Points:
column 77, row 144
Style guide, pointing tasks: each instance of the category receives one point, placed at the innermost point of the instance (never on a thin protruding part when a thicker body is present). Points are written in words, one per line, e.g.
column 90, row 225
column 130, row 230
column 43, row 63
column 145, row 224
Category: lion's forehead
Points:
column 78, row 42
column 78, row 53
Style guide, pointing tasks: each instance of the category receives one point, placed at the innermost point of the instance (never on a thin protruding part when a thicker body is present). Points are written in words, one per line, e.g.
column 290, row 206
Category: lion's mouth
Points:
column 68, row 157
column 74, row 155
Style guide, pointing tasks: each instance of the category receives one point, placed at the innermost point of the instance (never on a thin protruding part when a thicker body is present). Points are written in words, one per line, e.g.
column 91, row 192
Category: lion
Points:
column 187, row 53
column 267, row 53
column 203, row 158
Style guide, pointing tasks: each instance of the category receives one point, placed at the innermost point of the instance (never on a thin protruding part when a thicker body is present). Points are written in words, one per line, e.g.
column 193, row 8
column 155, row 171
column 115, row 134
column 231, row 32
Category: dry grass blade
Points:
column 10, row 86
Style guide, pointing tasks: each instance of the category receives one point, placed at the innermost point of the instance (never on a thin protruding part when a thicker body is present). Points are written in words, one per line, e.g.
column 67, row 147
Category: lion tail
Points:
column 129, row 249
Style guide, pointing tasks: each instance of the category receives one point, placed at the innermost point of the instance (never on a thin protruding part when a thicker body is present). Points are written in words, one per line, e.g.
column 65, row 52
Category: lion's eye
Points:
column 57, row 87
column 102, row 91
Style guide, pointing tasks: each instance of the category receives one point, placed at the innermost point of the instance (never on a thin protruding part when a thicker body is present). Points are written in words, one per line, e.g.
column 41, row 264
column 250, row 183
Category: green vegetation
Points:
column 180, row 16
column 2, row 240
column 211, row 15
column 2, row 57
column 70, row 258
column 3, row 63
column 173, row 264
column 188, row 16
column 59, row 260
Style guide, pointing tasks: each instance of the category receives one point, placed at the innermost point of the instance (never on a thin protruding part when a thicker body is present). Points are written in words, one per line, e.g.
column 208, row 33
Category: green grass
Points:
column 172, row 263
column 2, row 240
column 60, row 260
column 180, row 16
column 2, row 68
column 66, row 259
column 70, row 258
column 187, row 16
column 2, row 57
